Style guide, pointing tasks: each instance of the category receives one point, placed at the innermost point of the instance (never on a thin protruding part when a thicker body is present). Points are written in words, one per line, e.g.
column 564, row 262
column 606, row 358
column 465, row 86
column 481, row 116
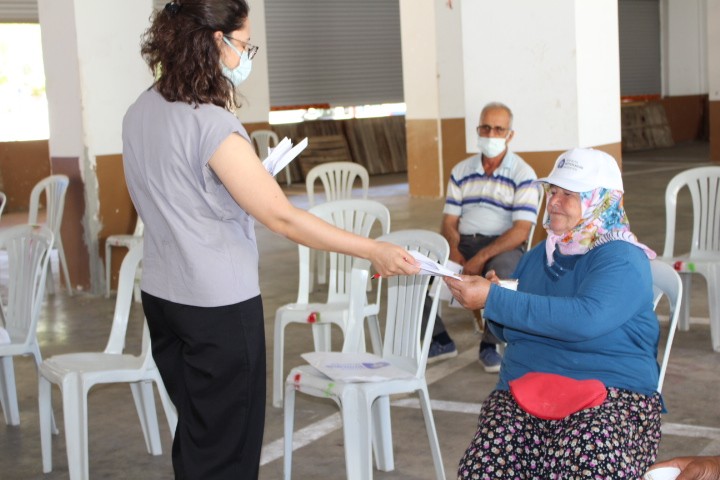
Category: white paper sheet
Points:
column 431, row 267
column 283, row 153
column 354, row 367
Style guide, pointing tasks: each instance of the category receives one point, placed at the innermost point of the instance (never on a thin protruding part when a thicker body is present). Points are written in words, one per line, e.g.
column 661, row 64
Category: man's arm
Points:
column 449, row 229
column 510, row 240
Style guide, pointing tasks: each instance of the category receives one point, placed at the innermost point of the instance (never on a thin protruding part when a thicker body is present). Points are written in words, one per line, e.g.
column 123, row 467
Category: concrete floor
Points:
column 457, row 386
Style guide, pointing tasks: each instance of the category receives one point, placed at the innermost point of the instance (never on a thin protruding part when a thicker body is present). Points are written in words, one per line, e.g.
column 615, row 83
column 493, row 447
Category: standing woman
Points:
column 198, row 185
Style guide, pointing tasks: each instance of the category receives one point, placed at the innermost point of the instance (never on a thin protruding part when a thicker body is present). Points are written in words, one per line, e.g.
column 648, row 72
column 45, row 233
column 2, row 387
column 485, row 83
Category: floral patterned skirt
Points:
column 618, row 439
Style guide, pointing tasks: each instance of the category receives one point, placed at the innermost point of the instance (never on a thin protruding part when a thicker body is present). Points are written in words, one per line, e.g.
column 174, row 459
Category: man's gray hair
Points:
column 498, row 105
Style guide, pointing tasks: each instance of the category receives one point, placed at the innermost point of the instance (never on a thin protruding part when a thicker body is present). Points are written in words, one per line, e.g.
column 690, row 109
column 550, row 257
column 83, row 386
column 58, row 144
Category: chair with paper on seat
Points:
column 337, row 179
column 28, row 253
column 704, row 255
column 55, row 187
column 359, row 217
column 666, row 281
column 125, row 241
column 365, row 406
column 77, row 373
column 263, row 141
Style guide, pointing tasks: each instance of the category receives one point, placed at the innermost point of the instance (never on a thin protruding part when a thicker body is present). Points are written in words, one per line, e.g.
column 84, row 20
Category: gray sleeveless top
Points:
column 199, row 245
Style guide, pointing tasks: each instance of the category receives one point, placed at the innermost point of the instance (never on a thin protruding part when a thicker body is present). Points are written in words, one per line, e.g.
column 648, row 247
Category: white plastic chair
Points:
column 666, row 281
column 124, row 241
column 264, row 140
column 365, row 407
column 77, row 373
column 337, row 179
column 55, row 187
column 28, row 250
column 359, row 217
column 704, row 255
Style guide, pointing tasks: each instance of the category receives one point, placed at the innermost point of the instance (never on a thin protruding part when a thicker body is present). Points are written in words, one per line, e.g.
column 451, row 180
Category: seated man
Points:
column 490, row 208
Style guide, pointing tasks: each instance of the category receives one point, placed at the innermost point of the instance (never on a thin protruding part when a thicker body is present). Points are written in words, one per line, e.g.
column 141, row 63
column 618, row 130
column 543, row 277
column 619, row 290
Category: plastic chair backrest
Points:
column 55, row 187
column 406, row 297
column 704, row 186
column 139, row 227
column 540, row 218
column 264, row 140
column 3, row 202
column 666, row 281
column 123, row 302
column 28, row 250
column 337, row 179
column 356, row 216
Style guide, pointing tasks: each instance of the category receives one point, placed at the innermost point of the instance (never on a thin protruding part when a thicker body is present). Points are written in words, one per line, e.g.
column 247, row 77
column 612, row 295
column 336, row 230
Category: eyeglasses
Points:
column 249, row 47
column 487, row 129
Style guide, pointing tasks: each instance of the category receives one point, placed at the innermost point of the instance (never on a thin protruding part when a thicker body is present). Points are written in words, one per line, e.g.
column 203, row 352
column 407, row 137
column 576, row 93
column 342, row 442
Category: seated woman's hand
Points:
column 471, row 292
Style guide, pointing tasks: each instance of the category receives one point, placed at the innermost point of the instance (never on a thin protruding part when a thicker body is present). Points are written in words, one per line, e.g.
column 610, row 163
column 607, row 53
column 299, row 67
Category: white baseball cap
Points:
column 585, row 169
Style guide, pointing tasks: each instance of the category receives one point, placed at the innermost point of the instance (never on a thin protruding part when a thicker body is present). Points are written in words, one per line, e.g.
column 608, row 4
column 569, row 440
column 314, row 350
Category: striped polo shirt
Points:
column 489, row 204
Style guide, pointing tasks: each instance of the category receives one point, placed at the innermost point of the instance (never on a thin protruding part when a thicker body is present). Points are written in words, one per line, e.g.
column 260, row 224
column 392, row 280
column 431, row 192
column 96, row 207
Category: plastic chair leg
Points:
column 322, row 336
column 8, row 393
column 431, row 432
column 108, row 263
column 684, row 318
column 382, row 434
column 76, row 434
column 289, row 421
column 278, row 351
column 145, row 406
column 712, row 277
column 321, row 258
column 356, row 433
column 375, row 334
column 168, row 406
column 63, row 264
column 45, row 412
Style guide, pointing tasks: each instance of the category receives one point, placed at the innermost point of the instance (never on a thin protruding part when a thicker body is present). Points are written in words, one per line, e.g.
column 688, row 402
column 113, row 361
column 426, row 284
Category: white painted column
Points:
column 555, row 64
column 255, row 107
column 432, row 83
column 94, row 71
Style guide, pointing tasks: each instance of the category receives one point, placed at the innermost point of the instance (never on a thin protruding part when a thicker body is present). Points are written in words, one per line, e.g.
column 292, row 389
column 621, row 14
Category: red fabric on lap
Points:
column 554, row 397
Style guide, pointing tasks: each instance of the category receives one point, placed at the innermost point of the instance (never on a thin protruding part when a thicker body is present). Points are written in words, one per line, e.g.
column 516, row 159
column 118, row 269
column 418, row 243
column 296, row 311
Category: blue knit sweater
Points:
column 586, row 316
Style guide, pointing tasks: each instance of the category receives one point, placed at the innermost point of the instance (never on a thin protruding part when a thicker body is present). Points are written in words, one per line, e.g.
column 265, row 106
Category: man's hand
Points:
column 456, row 256
column 694, row 468
column 475, row 265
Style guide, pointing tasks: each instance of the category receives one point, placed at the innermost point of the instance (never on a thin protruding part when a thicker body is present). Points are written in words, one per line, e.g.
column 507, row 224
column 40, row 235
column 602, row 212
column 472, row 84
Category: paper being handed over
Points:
column 431, row 267
column 282, row 154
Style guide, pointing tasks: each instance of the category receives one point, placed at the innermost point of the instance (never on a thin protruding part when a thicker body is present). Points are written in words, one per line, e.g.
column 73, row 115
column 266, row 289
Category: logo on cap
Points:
column 561, row 163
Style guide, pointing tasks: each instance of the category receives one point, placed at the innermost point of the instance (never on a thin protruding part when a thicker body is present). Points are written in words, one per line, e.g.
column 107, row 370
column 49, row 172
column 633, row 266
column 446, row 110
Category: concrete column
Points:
column 713, row 59
column 555, row 64
column 432, row 81
column 255, row 109
column 91, row 51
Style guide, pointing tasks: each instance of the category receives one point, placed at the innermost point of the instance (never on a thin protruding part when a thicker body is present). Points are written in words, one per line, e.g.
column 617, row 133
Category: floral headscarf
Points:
column 603, row 220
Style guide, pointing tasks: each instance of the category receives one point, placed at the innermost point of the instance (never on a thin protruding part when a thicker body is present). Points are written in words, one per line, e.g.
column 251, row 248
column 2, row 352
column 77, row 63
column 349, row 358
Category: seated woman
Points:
column 577, row 391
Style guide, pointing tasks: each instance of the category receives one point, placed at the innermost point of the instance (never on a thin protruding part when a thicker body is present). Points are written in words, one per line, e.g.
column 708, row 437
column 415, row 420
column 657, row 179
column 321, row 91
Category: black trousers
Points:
column 212, row 361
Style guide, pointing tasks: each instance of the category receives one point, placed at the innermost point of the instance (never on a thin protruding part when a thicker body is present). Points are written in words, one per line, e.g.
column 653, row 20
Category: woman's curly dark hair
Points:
column 183, row 55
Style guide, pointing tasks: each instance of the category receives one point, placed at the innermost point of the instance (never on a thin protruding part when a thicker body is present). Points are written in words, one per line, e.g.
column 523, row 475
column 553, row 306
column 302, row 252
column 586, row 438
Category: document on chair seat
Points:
column 283, row 153
column 355, row 367
column 431, row 267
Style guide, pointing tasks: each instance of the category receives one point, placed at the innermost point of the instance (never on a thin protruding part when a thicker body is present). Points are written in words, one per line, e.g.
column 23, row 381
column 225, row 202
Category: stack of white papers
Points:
column 355, row 367
column 431, row 267
column 283, row 153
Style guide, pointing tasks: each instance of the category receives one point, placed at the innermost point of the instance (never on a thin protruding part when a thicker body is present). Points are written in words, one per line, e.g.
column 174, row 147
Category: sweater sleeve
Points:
column 609, row 289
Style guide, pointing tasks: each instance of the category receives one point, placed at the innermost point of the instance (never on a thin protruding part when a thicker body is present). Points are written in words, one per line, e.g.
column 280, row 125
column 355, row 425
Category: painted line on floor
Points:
column 661, row 169
column 301, row 438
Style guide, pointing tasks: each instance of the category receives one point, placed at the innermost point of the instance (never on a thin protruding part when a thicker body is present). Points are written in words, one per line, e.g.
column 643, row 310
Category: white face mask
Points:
column 240, row 73
column 491, row 147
